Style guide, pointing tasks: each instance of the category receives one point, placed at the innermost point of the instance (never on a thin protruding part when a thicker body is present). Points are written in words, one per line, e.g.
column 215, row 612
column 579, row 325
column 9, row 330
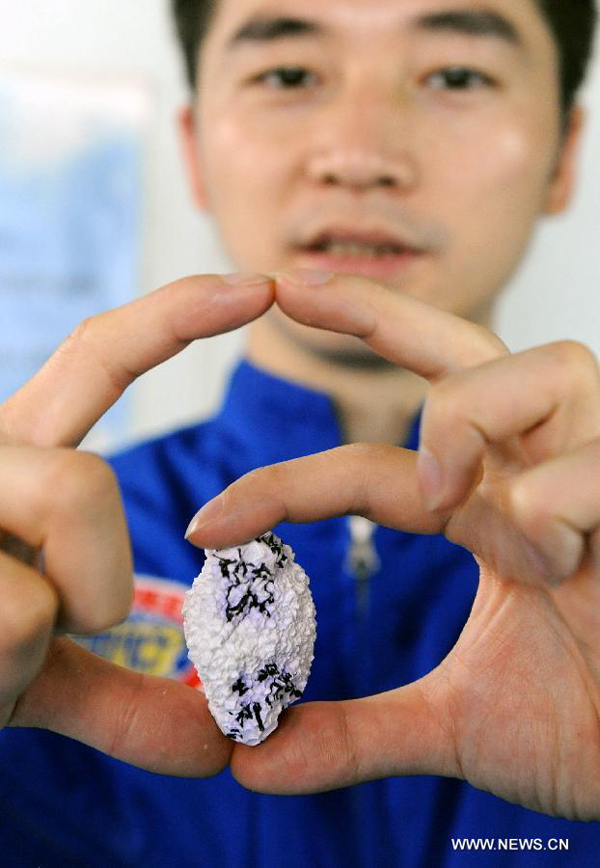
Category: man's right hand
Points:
column 65, row 563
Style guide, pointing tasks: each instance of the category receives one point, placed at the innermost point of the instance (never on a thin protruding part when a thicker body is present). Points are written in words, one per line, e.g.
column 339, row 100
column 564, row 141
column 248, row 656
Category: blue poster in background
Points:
column 71, row 156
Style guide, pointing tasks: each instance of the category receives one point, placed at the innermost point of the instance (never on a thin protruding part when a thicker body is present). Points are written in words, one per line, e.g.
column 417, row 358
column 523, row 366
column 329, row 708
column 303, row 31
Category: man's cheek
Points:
column 249, row 165
column 516, row 166
column 490, row 159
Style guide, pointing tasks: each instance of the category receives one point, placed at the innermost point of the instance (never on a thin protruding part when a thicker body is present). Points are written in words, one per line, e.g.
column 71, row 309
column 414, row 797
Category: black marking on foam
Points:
column 239, row 687
column 276, row 547
column 256, row 710
column 268, row 669
column 245, row 713
column 225, row 563
column 260, row 593
column 281, row 685
column 261, row 571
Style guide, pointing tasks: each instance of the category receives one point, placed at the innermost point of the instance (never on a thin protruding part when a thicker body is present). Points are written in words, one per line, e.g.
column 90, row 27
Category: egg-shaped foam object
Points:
column 249, row 624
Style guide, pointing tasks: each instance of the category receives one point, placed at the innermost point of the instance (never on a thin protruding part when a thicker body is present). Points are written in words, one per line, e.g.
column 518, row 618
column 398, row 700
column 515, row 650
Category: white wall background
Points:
column 556, row 294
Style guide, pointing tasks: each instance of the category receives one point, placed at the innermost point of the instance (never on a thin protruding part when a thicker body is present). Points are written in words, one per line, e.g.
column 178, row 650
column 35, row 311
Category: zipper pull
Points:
column 362, row 560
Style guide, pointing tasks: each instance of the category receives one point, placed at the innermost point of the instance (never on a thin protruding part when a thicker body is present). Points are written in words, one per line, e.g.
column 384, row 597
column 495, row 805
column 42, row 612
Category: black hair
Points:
column 572, row 23
column 192, row 20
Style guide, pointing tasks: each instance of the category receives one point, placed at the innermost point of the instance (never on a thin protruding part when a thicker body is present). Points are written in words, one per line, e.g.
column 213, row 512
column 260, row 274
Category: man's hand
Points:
column 508, row 467
column 65, row 563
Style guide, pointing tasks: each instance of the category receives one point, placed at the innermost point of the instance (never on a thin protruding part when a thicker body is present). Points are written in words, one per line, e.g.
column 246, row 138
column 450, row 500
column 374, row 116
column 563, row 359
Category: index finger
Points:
column 106, row 353
column 405, row 330
column 374, row 480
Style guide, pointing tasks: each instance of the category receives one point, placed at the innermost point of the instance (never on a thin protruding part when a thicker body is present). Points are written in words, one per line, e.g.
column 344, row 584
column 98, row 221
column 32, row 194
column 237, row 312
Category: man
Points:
column 413, row 142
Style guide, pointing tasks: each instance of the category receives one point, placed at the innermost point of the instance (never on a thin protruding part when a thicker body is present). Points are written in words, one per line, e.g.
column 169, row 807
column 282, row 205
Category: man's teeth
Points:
column 353, row 248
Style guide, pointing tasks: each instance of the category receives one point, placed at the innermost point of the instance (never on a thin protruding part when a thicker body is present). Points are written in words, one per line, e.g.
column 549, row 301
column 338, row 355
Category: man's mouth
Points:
column 341, row 247
column 375, row 255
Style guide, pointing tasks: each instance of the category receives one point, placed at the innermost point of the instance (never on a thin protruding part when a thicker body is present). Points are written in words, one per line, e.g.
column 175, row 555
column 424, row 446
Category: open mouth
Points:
column 373, row 255
column 352, row 248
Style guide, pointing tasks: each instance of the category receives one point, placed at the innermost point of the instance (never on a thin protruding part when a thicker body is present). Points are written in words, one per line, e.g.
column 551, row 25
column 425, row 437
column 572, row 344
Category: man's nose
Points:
column 363, row 147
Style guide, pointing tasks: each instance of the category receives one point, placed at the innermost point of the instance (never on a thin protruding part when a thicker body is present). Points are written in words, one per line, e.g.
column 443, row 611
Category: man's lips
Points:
column 367, row 247
column 381, row 267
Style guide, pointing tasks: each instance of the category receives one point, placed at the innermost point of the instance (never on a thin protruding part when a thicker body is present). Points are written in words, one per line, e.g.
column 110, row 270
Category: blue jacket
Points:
column 63, row 804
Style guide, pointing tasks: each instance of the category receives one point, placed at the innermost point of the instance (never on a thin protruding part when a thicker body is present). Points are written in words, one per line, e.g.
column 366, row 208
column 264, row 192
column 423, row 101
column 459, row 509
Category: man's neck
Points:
column 374, row 402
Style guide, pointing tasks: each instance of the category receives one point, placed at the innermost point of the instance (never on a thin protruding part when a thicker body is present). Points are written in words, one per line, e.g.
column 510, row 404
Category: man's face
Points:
column 412, row 141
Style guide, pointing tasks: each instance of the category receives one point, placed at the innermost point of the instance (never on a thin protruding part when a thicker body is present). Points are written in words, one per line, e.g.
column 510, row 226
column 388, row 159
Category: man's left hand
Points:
column 509, row 468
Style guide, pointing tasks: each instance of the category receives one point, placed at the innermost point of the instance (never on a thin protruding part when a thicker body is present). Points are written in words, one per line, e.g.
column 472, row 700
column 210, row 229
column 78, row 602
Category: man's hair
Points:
column 572, row 23
column 192, row 19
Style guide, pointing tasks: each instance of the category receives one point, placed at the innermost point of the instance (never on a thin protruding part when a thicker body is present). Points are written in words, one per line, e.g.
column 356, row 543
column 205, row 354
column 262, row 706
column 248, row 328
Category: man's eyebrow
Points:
column 266, row 28
column 471, row 22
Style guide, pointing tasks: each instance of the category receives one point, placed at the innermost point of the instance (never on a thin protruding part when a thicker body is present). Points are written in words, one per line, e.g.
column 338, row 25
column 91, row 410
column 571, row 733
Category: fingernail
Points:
column 307, row 276
column 244, row 279
column 430, row 478
column 209, row 512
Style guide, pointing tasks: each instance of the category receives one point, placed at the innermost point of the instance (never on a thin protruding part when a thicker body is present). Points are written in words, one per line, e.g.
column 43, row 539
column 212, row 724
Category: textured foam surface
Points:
column 249, row 623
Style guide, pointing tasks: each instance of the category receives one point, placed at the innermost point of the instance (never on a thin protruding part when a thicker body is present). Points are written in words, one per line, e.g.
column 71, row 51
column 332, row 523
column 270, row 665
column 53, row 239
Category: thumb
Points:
column 324, row 745
column 154, row 723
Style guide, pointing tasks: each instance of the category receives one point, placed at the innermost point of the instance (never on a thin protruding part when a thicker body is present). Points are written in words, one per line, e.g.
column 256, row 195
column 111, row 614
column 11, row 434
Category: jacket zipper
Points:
column 362, row 562
column 362, row 559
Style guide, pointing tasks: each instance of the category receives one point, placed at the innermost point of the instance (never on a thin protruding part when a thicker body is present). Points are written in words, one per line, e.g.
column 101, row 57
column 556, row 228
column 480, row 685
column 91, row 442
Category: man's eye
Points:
column 459, row 78
column 287, row 77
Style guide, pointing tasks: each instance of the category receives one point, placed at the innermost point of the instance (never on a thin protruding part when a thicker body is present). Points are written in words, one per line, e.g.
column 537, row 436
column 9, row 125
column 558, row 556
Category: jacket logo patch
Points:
column 151, row 640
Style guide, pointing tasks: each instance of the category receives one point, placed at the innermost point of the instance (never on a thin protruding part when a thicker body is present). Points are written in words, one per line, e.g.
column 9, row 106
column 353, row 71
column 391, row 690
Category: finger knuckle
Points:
column 74, row 480
column 355, row 452
column 348, row 748
column 82, row 335
column 329, row 751
column 88, row 331
column 529, row 510
column 27, row 617
column 260, row 477
column 485, row 346
column 442, row 407
column 575, row 358
column 108, row 609
column 118, row 606
column 273, row 477
column 124, row 598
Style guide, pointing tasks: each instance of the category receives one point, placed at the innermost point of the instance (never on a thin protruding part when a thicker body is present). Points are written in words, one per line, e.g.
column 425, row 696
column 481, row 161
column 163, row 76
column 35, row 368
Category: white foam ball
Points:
column 249, row 624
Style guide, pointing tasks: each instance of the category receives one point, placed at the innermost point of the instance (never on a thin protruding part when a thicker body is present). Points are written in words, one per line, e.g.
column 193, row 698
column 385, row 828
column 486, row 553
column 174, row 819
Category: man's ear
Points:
column 189, row 150
column 562, row 183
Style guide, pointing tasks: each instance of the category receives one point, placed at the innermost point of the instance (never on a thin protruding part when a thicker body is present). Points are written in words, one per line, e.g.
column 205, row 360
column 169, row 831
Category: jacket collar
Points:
column 270, row 419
